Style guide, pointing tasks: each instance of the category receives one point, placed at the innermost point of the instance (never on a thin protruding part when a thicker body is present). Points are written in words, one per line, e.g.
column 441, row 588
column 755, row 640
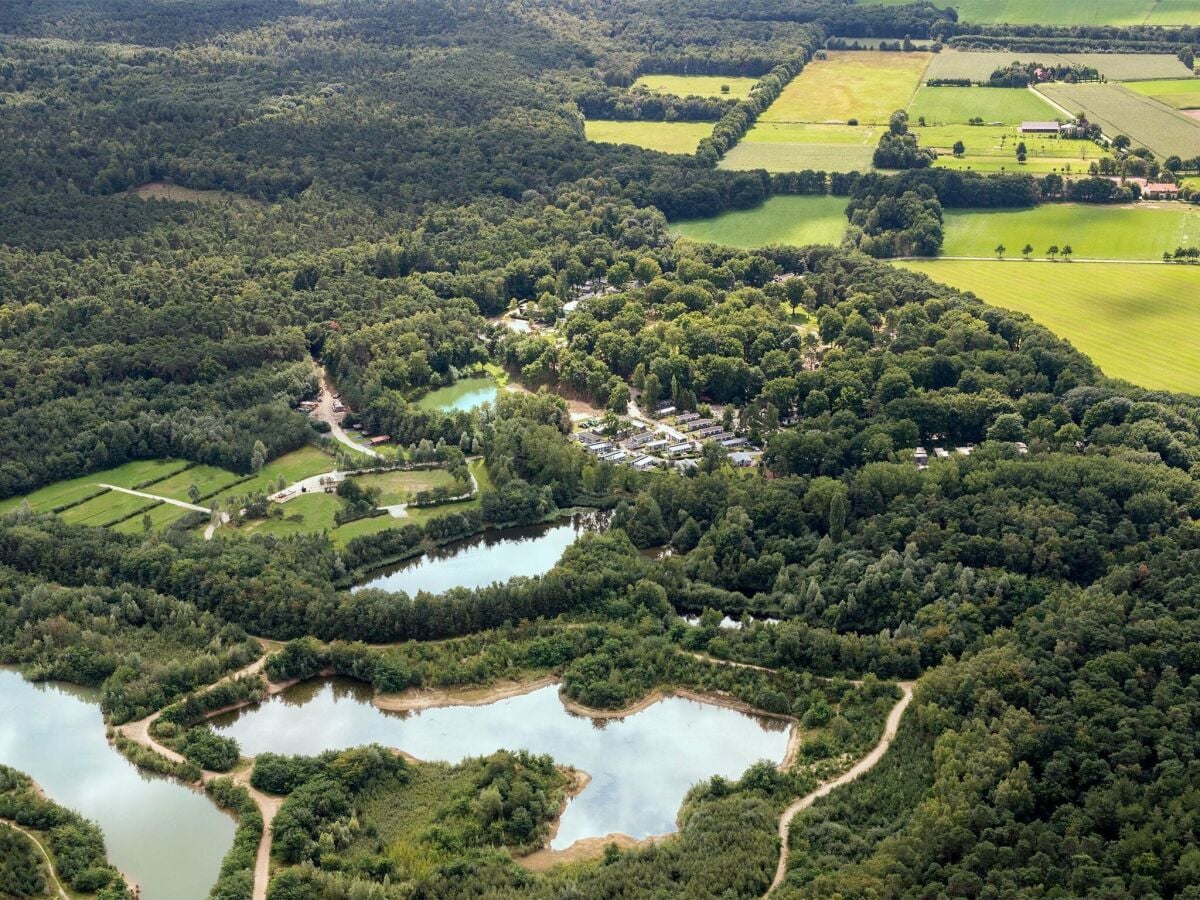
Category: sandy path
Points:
column 865, row 764
column 45, row 855
column 268, row 806
column 180, row 503
column 325, row 413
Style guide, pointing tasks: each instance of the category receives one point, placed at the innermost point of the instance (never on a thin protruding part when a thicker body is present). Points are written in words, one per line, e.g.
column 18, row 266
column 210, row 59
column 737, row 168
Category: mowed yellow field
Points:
column 1135, row 321
column 862, row 85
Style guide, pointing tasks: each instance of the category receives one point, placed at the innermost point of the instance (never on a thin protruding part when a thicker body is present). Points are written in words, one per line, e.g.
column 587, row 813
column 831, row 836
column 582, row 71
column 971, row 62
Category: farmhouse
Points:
column 1160, row 190
column 1040, row 128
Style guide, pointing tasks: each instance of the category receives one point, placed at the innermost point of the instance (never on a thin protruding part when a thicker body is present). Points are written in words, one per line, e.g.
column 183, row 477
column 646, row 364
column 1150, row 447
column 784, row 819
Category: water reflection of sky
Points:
column 167, row 838
column 641, row 766
column 462, row 396
column 493, row 556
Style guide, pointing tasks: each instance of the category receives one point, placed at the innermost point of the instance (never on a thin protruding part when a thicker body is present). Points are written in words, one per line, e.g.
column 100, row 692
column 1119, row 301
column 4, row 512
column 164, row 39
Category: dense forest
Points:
column 368, row 185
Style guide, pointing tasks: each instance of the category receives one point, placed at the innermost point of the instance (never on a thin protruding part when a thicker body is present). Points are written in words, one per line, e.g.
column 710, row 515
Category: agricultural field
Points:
column 294, row 466
column 1136, row 321
column 1137, row 232
column 1072, row 12
column 993, row 148
column 667, row 137
column 106, row 508
column 208, row 479
column 1118, row 110
column 978, row 65
column 1180, row 93
column 958, row 105
column 75, row 489
column 161, row 517
column 794, row 147
column 780, row 220
column 400, row 486
column 698, row 85
column 861, row 85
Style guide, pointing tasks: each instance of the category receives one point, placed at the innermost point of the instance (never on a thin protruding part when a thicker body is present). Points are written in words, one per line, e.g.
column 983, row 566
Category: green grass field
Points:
column 206, row 478
column 780, row 220
column 697, row 85
column 669, row 137
column 979, row 64
column 62, row 492
column 795, row 146
column 1073, row 12
column 399, row 487
column 1136, row 321
column 294, row 466
column 1094, row 232
column 957, row 105
column 863, row 85
column 1180, row 93
column 993, row 148
column 105, row 508
column 161, row 517
column 1118, row 110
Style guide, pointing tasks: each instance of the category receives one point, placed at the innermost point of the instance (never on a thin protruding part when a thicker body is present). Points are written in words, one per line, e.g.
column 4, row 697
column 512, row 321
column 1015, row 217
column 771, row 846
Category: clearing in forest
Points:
column 77, row 490
column 780, row 220
column 1118, row 110
column 1144, row 231
column 864, row 85
column 401, row 485
column 1135, row 320
column 698, row 85
column 667, row 137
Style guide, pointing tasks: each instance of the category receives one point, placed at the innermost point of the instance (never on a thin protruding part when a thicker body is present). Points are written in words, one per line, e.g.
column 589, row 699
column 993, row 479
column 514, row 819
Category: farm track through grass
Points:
column 1136, row 322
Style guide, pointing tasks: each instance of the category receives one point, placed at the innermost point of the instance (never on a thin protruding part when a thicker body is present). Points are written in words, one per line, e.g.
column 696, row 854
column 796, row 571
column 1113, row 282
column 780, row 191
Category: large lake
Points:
column 485, row 558
column 641, row 766
column 464, row 395
column 166, row 837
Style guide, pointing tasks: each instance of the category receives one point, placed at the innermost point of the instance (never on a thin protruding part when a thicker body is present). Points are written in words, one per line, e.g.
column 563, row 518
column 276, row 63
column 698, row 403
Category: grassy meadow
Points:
column 780, row 220
column 1072, row 12
column 993, row 148
column 75, row 489
column 1136, row 321
column 1119, row 110
column 795, row 146
column 861, row 85
column 668, row 137
column 1180, row 93
column 958, row 105
column 698, row 85
column 978, row 65
column 1137, row 232
column 400, row 486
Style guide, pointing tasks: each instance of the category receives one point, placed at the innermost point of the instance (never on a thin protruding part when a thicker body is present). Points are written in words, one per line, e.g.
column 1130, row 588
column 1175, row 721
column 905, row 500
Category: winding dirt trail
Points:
column 268, row 806
column 62, row 893
column 865, row 764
